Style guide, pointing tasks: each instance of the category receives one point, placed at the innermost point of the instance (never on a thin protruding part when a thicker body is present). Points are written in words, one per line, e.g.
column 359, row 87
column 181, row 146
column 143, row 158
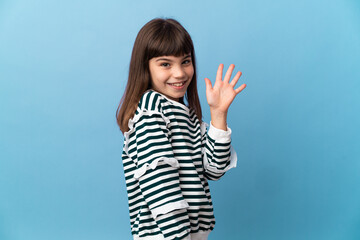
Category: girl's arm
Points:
column 218, row 153
column 157, row 175
column 222, row 95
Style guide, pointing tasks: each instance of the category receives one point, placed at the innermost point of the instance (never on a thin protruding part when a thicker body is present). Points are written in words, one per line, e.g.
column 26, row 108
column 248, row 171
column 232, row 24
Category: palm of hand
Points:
column 223, row 93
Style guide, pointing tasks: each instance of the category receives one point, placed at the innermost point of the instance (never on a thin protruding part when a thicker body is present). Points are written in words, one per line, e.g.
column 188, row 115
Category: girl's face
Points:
column 171, row 75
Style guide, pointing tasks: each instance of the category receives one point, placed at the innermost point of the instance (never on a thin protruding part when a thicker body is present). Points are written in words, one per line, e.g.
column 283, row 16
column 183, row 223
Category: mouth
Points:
column 178, row 84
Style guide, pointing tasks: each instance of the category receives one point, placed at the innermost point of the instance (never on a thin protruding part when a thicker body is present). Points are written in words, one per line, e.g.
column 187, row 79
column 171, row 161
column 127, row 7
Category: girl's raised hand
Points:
column 223, row 93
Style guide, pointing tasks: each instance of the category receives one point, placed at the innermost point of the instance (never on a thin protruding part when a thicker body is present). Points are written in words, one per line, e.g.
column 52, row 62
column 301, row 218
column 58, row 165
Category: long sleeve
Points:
column 158, row 176
column 218, row 154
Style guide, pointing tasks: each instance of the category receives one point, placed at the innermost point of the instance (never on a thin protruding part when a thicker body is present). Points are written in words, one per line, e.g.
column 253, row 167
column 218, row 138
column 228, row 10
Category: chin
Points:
column 176, row 97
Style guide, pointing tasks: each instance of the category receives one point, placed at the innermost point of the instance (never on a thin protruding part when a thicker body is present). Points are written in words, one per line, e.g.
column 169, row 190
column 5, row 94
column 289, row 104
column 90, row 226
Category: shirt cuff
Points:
column 219, row 134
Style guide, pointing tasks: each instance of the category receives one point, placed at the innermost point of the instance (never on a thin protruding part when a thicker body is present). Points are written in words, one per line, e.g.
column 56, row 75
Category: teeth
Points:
column 177, row 84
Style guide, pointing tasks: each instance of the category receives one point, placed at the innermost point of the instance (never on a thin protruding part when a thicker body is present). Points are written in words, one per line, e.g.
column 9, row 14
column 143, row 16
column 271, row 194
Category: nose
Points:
column 179, row 72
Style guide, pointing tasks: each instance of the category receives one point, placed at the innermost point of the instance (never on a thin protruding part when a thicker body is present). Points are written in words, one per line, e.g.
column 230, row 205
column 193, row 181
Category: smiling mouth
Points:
column 177, row 84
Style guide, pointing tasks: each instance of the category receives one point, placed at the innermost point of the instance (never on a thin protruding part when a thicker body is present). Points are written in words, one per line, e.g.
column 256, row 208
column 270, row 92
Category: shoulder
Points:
column 151, row 101
column 150, row 108
column 149, row 113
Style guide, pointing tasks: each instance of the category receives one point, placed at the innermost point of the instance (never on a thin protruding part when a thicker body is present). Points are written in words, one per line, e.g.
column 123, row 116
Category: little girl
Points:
column 168, row 153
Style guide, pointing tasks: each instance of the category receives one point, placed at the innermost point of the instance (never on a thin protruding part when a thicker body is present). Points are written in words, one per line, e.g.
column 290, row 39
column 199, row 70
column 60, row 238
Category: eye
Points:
column 187, row 61
column 165, row 64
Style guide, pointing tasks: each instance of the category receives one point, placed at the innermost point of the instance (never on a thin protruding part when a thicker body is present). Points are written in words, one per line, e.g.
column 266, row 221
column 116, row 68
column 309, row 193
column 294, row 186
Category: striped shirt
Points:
column 168, row 156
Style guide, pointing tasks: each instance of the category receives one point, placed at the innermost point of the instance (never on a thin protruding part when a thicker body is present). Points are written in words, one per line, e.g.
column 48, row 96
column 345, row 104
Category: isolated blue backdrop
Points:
column 296, row 127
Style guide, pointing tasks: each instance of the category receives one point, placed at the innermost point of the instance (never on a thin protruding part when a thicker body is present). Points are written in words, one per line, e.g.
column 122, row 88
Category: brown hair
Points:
column 159, row 37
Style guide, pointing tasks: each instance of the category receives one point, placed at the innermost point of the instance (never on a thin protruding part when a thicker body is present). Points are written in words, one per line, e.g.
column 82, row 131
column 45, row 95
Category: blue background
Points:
column 296, row 127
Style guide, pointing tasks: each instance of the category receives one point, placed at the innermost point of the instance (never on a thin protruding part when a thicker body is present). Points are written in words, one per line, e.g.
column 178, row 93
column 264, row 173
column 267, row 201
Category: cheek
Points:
column 161, row 76
column 153, row 74
column 190, row 72
column 158, row 79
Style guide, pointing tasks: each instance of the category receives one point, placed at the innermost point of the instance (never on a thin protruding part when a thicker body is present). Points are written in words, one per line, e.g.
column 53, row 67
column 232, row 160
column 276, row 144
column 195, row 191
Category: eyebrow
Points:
column 167, row 59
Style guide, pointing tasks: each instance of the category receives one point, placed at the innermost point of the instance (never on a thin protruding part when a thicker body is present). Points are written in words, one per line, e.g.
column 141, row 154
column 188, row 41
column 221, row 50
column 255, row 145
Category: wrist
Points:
column 218, row 119
column 218, row 112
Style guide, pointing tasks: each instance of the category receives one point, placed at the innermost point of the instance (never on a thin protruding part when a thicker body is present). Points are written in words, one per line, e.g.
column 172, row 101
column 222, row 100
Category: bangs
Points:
column 169, row 41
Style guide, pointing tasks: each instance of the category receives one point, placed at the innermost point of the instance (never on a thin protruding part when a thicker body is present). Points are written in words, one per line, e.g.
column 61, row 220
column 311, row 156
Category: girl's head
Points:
column 163, row 54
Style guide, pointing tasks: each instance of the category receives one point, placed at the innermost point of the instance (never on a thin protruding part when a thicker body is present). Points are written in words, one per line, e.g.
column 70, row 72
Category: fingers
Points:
column 227, row 77
column 208, row 84
column 219, row 74
column 235, row 79
column 239, row 89
column 229, row 72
